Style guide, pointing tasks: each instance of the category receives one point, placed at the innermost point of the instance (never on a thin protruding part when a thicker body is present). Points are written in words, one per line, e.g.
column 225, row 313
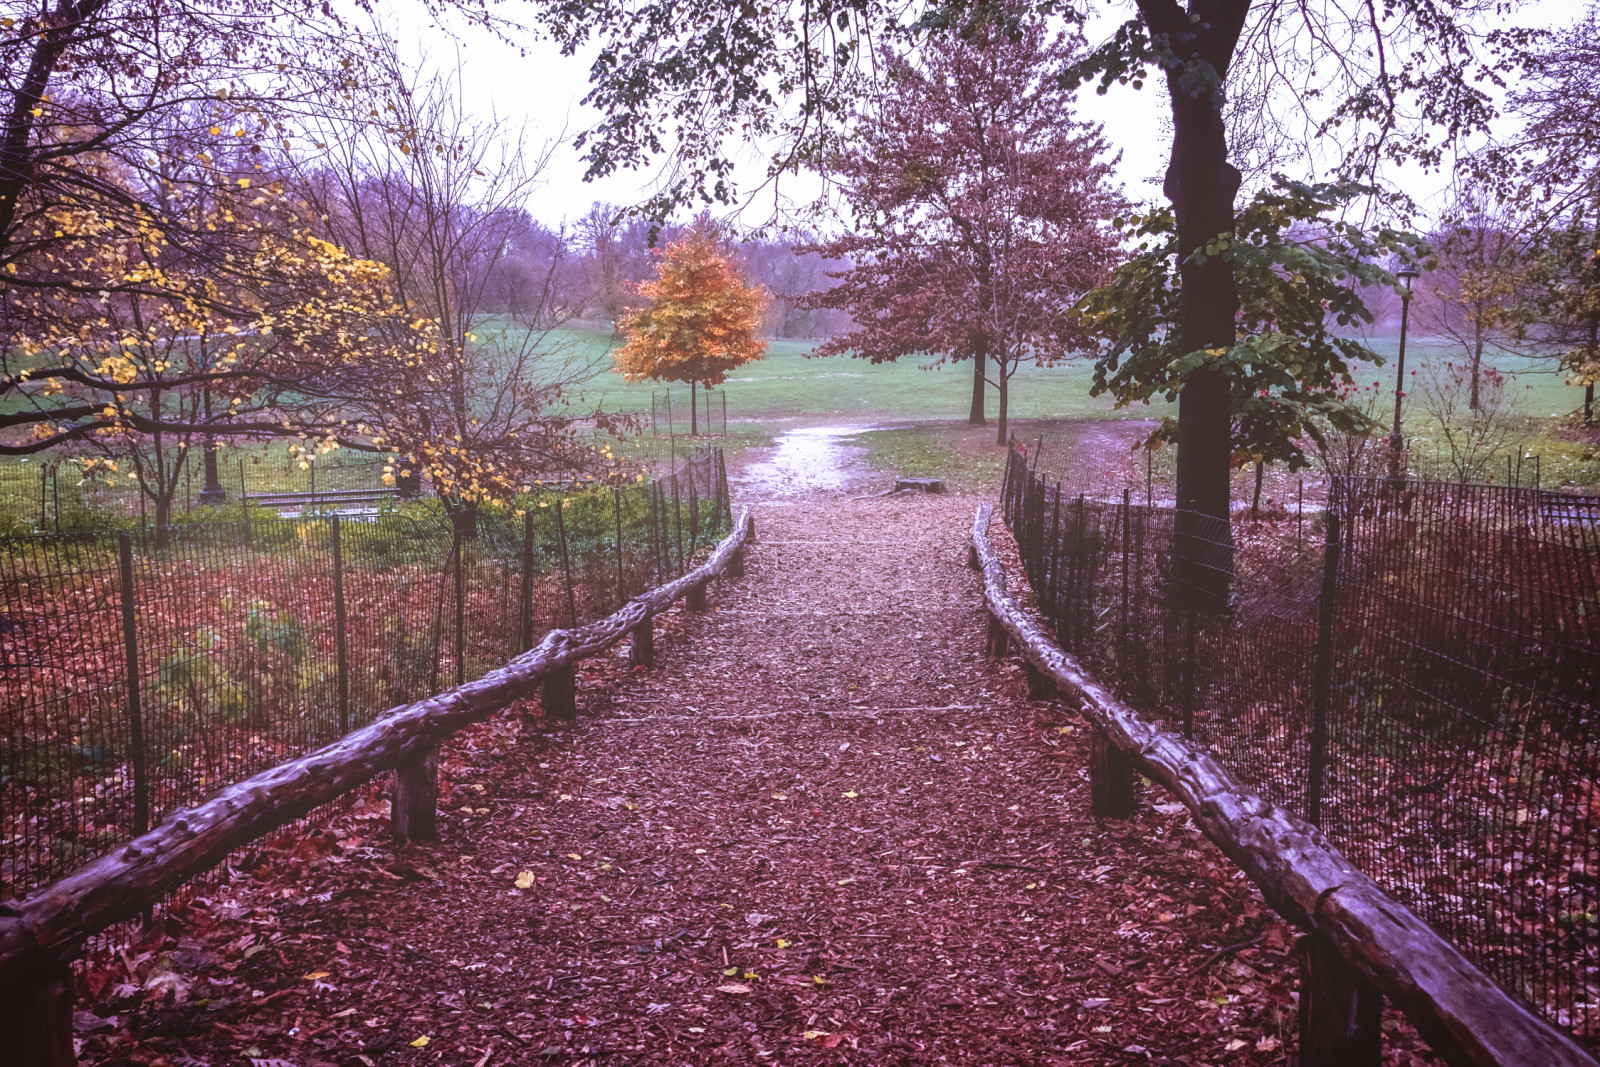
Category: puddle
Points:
column 810, row 459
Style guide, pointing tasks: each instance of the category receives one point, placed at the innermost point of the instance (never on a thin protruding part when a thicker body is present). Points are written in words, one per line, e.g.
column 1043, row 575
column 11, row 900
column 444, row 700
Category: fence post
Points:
column 658, row 540
column 525, row 600
column 1122, row 632
column 1189, row 675
column 643, row 653
column 339, row 627
column 1340, row 1011
column 1112, row 793
column 694, row 513
column 130, row 645
column 413, row 811
column 559, row 693
column 1053, row 585
column 1322, row 673
column 677, row 516
column 566, row 561
column 622, row 585
column 36, row 1018
column 461, row 608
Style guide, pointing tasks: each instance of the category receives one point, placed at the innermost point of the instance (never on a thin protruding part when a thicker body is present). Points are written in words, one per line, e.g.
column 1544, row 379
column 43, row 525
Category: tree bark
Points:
column 1003, row 384
column 980, row 362
column 1202, row 185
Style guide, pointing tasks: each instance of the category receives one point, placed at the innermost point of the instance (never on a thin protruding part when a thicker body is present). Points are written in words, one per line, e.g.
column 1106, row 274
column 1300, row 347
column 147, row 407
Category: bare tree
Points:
column 438, row 193
column 1473, row 434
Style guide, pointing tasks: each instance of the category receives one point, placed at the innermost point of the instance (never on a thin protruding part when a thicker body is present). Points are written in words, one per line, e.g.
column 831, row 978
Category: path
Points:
column 822, row 829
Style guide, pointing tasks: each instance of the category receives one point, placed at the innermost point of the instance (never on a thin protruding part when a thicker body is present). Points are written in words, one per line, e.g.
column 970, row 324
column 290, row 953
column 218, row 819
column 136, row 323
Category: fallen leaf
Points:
column 524, row 880
column 733, row 987
column 421, row 1042
column 316, row 976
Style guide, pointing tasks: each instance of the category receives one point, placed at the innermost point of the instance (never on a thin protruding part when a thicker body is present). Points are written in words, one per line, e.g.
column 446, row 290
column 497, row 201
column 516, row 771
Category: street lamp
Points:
column 1397, row 443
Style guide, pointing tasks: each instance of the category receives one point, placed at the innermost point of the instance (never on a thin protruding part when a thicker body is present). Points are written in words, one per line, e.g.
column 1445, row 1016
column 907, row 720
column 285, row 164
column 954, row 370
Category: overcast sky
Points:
column 530, row 81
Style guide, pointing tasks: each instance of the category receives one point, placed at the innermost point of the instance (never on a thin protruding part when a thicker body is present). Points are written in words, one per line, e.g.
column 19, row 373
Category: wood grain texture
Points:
column 49, row 925
column 1463, row 1014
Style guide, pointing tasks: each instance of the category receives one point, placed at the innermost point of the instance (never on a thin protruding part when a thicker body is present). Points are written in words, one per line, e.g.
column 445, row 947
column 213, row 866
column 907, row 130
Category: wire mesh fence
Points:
column 142, row 670
column 1415, row 668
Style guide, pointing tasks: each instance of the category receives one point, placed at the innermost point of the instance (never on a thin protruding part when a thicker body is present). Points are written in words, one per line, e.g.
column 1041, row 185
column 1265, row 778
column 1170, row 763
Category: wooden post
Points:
column 559, row 694
column 998, row 640
column 697, row 597
column 135, row 708
column 972, row 558
column 341, row 643
column 643, row 653
column 413, row 812
column 1340, row 1011
column 736, row 564
column 1039, row 685
column 616, row 506
column 36, row 1019
column 1111, row 789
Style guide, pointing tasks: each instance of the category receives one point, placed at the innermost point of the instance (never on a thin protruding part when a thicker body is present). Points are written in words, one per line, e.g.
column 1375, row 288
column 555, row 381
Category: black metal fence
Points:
column 142, row 670
column 1416, row 669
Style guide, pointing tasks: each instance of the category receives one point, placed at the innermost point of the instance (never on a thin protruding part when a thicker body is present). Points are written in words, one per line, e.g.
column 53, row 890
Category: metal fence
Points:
column 1416, row 669
column 142, row 670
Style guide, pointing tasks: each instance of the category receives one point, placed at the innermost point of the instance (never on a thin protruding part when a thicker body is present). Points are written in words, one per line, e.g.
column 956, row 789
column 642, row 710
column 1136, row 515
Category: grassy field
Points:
column 920, row 413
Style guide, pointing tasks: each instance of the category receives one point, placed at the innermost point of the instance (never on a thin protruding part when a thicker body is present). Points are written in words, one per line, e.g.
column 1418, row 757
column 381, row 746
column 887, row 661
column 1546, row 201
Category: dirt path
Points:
column 823, row 829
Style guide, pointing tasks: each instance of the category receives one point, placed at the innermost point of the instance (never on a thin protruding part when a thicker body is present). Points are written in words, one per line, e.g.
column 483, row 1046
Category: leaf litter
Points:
column 824, row 828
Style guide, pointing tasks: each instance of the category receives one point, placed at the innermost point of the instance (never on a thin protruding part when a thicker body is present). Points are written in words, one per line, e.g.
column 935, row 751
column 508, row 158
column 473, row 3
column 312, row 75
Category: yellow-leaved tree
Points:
column 702, row 320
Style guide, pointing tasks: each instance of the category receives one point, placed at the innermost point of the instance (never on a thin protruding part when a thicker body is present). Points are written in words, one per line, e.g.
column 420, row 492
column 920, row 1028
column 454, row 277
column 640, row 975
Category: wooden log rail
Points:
column 1360, row 944
column 41, row 933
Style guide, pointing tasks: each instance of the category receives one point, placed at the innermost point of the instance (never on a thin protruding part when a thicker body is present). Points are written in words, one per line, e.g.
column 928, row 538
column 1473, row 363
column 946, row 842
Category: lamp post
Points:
column 1397, row 443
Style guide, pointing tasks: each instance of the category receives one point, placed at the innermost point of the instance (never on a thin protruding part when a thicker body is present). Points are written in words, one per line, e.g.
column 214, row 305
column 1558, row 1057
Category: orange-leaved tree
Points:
column 701, row 322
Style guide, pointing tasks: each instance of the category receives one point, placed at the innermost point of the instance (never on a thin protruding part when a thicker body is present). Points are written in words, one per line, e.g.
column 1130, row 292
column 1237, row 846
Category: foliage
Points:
column 1564, row 294
column 702, row 319
column 438, row 195
column 1299, row 272
column 1476, row 414
column 980, row 210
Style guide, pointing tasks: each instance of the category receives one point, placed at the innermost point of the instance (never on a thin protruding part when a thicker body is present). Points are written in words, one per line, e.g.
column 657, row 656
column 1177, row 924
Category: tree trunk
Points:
column 1202, row 184
column 1004, row 386
column 980, row 363
column 1477, row 365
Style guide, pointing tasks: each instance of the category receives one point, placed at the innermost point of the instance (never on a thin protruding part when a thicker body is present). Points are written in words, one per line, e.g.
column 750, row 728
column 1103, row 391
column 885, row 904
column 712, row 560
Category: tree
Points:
column 701, row 322
column 980, row 212
column 1394, row 81
column 1301, row 272
column 439, row 196
column 1474, row 296
column 1562, row 296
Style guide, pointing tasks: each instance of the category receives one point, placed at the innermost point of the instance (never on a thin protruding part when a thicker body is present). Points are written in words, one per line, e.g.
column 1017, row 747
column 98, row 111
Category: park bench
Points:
column 344, row 501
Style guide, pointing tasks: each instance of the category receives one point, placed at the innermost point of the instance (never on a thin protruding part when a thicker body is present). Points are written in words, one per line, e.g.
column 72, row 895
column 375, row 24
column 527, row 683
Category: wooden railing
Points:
column 1360, row 944
column 42, row 933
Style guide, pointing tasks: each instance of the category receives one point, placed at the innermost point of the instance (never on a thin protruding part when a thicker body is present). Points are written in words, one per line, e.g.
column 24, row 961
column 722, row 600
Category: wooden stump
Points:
column 998, row 640
column 643, row 653
column 414, row 810
column 972, row 558
column 736, row 565
column 1340, row 1011
column 750, row 532
column 926, row 485
column 697, row 597
column 1112, row 794
column 1040, row 687
column 559, row 694
column 36, row 1021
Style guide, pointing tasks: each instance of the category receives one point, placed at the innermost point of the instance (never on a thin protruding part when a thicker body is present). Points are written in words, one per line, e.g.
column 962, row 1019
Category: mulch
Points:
column 823, row 828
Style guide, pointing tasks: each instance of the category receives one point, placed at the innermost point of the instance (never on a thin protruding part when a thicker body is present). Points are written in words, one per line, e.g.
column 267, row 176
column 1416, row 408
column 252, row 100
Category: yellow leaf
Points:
column 316, row 976
column 812, row 1035
column 852, row 793
column 216, row 131
column 573, row 856
column 244, row 183
column 525, row 880
column 782, row 943
column 731, row 971
column 421, row 1042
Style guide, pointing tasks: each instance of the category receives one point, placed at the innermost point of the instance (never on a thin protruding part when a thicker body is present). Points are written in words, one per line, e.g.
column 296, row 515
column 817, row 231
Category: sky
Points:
column 530, row 81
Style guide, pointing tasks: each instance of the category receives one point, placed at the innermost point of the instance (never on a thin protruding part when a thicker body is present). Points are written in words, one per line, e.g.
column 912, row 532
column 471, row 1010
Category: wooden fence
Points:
column 1360, row 945
column 42, row 933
